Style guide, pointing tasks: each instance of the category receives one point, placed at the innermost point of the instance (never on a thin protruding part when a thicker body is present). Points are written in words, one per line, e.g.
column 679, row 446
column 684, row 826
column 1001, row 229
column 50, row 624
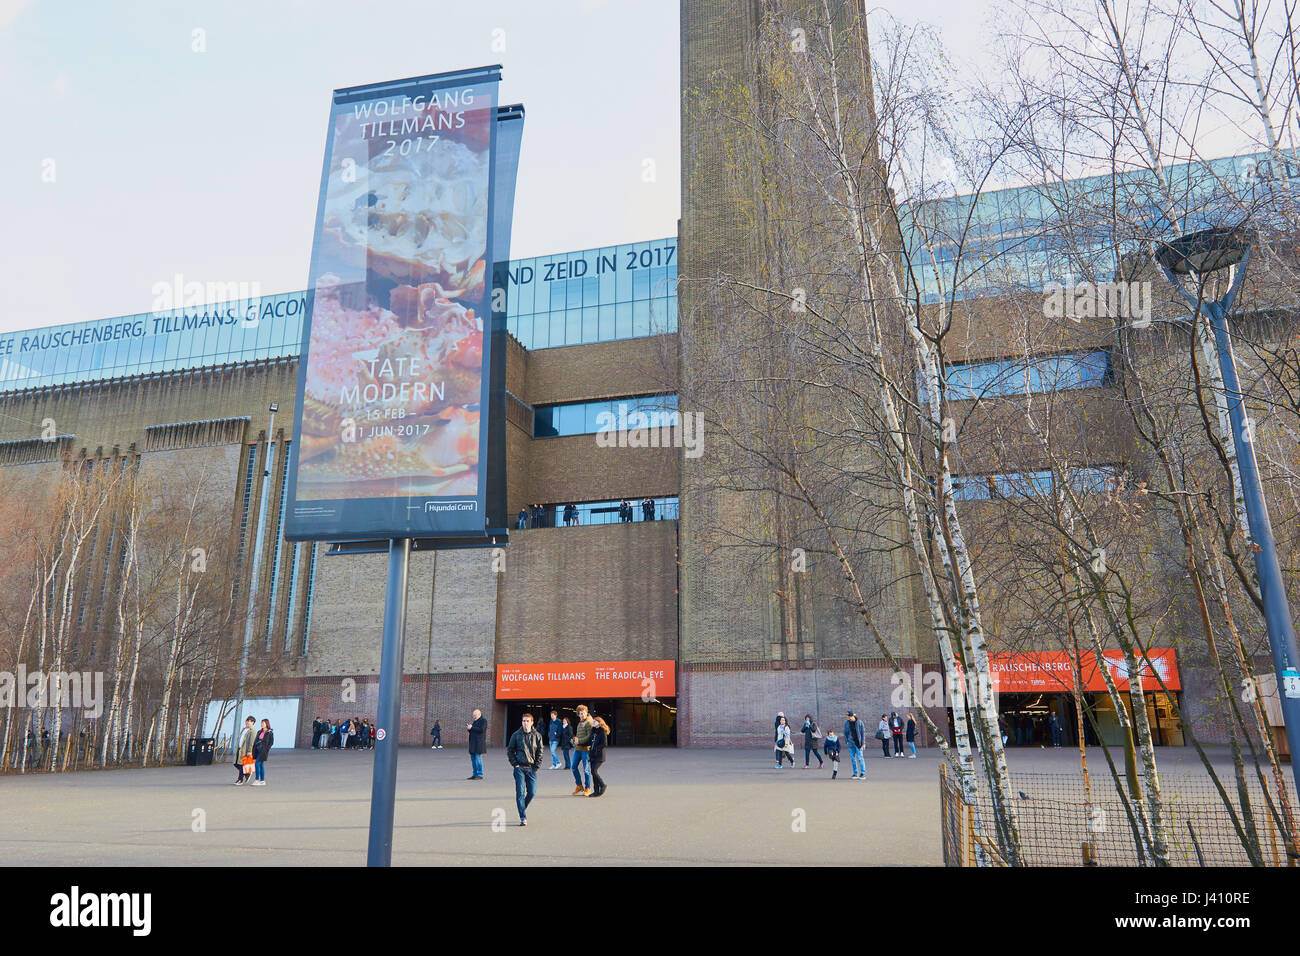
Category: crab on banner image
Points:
column 390, row 436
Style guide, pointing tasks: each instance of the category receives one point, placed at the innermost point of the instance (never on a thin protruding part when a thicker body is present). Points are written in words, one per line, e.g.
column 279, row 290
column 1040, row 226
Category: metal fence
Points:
column 1052, row 817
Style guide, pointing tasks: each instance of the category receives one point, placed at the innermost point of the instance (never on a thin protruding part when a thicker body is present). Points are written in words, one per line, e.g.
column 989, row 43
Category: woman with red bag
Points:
column 244, row 751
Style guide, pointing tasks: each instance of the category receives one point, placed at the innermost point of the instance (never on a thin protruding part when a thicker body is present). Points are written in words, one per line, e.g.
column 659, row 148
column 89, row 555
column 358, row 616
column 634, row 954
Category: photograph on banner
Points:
column 395, row 380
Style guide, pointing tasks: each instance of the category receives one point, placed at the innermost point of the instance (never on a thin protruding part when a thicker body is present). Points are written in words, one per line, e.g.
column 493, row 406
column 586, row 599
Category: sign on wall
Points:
column 1053, row 671
column 592, row 680
column 391, row 426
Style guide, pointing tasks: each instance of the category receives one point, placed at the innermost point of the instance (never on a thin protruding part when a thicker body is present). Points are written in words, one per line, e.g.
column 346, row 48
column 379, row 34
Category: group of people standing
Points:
column 256, row 743
column 625, row 513
column 891, row 728
column 357, row 733
column 583, row 745
column 532, row 516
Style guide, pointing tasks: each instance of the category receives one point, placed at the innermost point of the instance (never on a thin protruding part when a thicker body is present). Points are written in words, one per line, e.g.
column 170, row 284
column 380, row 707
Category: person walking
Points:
column 833, row 753
column 911, row 735
column 245, row 749
column 782, row 746
column 855, row 737
column 477, row 728
column 436, row 733
column 882, row 734
column 566, row 741
column 599, row 738
column 896, row 729
column 262, row 744
column 524, row 751
column 1055, row 725
column 553, row 731
column 812, row 736
column 582, row 753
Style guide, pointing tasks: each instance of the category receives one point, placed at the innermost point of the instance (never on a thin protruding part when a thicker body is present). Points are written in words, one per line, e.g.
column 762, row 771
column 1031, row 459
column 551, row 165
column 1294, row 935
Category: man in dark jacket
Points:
column 477, row 743
column 554, row 731
column 566, row 741
column 524, row 751
column 854, row 738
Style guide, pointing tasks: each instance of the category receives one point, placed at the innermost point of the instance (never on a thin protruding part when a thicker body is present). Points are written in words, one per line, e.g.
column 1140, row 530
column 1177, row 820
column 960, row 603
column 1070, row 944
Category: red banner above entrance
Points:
column 1053, row 671
column 587, row 679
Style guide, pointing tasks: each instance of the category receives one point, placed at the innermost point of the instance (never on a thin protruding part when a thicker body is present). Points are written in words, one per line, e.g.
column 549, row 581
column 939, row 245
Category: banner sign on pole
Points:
column 392, row 426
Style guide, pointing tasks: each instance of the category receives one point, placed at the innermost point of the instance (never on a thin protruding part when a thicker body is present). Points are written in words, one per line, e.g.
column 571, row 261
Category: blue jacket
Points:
column 553, row 732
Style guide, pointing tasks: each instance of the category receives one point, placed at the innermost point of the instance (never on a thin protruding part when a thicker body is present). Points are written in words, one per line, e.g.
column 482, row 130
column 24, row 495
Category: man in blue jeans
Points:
column 524, row 751
column 582, row 754
column 553, row 731
column 854, row 738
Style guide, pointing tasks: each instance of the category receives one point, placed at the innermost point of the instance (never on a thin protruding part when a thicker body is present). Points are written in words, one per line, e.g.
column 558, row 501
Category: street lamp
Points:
column 1198, row 254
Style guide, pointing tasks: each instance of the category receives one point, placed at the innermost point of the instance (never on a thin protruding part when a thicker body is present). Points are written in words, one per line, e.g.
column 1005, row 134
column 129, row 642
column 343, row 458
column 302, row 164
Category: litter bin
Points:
column 200, row 752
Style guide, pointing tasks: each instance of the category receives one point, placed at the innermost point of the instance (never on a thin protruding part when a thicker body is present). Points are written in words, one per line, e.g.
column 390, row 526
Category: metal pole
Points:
column 383, row 788
column 254, row 579
column 1277, row 613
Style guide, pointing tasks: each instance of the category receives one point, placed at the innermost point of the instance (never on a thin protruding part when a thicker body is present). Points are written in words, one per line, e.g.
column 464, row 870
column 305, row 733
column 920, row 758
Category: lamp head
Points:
column 1205, row 251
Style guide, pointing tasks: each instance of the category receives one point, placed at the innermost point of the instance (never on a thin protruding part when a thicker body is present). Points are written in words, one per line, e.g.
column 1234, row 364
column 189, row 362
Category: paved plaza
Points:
column 675, row 807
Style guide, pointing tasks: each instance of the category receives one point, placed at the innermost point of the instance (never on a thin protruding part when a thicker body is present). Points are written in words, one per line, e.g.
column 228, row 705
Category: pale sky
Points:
column 208, row 164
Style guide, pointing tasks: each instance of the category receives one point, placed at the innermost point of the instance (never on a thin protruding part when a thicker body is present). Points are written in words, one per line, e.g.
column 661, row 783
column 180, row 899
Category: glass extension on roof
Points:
column 594, row 295
column 1021, row 239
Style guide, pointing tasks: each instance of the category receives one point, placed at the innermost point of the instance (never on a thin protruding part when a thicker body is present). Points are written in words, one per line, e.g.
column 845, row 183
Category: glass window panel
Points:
column 641, row 284
column 573, row 327
column 544, row 421
column 571, row 423
column 658, row 283
column 557, row 329
column 522, row 292
column 591, row 324
column 606, row 323
column 591, row 291
column 623, row 284
column 541, row 331
column 623, row 322
column 608, row 281
column 641, row 318
column 557, row 297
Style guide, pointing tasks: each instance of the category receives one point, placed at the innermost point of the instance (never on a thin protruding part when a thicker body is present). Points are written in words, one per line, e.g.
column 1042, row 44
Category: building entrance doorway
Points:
column 632, row 722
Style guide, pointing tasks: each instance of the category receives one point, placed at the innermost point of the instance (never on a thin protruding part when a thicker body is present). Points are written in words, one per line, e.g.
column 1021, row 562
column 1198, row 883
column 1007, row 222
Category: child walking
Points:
column 832, row 748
